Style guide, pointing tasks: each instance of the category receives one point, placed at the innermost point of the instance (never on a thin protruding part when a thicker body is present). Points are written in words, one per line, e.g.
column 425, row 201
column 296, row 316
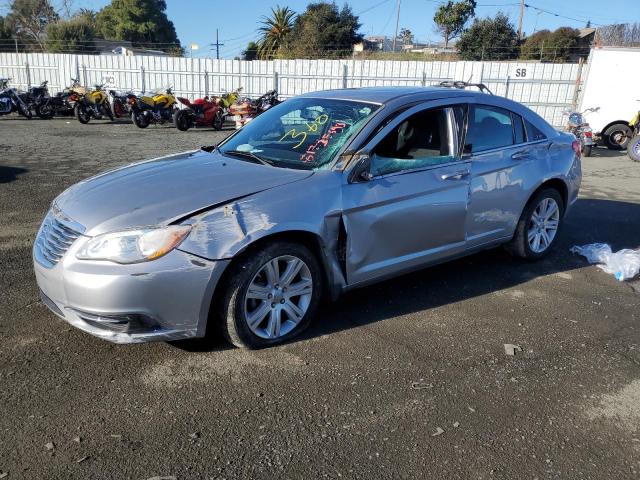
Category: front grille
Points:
column 54, row 239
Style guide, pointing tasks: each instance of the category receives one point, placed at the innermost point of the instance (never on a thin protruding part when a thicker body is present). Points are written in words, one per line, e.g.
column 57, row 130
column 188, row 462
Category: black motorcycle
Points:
column 39, row 101
column 12, row 101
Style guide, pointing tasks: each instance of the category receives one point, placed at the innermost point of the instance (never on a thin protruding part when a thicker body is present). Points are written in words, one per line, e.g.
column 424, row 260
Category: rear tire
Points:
column 617, row 136
column 182, row 120
column 633, row 149
column 139, row 120
column 82, row 116
column 522, row 245
column 218, row 120
column 106, row 108
column 238, row 305
column 586, row 150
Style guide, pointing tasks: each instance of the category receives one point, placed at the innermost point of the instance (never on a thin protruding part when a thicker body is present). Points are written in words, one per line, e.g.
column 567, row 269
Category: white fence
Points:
column 546, row 88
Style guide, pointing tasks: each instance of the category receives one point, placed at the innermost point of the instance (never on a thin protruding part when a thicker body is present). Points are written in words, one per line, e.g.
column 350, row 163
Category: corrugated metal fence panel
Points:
column 547, row 88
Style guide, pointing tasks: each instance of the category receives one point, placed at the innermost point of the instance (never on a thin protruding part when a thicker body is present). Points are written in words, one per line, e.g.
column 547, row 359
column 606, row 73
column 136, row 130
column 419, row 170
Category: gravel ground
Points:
column 405, row 379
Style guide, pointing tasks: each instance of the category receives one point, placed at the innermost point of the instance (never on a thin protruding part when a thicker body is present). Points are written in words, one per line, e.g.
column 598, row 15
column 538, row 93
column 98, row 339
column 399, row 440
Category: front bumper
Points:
column 165, row 299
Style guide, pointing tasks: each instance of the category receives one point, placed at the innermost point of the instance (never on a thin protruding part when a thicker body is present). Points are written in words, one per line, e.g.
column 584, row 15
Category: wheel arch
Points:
column 557, row 184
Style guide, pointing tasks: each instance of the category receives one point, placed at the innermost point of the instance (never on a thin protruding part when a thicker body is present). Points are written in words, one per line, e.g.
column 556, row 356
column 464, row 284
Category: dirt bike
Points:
column 633, row 147
column 581, row 129
column 11, row 100
column 246, row 109
column 92, row 104
column 202, row 112
column 159, row 108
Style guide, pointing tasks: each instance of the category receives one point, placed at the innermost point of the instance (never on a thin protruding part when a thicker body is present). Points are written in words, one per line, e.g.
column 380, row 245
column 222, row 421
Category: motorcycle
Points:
column 633, row 147
column 120, row 103
column 94, row 103
column 157, row 109
column 12, row 101
column 581, row 129
column 62, row 103
column 246, row 109
column 201, row 112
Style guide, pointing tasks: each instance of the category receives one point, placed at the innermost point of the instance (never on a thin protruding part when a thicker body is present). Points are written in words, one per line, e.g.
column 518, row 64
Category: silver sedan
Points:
column 321, row 194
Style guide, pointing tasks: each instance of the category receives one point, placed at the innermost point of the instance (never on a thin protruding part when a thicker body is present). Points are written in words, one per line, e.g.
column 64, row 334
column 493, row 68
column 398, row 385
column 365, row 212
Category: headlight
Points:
column 133, row 246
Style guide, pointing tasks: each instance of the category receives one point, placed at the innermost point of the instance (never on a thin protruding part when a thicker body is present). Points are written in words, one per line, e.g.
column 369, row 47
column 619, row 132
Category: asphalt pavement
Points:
column 405, row 379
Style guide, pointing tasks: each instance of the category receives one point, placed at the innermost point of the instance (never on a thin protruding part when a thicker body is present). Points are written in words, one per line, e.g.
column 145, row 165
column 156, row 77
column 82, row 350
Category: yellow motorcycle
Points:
column 158, row 108
column 92, row 104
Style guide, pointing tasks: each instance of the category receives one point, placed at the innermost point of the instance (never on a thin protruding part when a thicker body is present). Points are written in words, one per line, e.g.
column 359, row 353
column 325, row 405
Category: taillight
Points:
column 577, row 148
column 588, row 134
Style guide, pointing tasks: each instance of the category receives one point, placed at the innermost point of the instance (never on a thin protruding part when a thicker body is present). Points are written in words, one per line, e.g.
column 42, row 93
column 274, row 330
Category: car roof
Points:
column 399, row 96
column 384, row 95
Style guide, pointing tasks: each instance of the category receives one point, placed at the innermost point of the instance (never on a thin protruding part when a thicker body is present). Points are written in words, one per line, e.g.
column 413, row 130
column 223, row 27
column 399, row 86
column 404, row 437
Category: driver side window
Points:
column 422, row 140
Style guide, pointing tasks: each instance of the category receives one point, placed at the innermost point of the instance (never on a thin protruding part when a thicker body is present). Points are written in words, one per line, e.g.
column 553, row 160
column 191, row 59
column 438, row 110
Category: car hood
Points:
column 159, row 191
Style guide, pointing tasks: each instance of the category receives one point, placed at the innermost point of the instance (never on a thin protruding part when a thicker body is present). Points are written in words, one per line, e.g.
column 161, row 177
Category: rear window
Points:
column 489, row 127
column 533, row 133
column 519, row 133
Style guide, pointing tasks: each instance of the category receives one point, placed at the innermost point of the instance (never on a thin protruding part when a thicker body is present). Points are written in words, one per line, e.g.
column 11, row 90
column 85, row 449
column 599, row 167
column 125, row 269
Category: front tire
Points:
column 617, row 136
column 270, row 296
column 633, row 149
column 25, row 112
column 45, row 111
column 538, row 227
column 81, row 114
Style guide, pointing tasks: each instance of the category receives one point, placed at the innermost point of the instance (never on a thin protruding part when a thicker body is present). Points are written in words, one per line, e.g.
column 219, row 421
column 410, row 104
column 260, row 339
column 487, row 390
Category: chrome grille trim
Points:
column 54, row 239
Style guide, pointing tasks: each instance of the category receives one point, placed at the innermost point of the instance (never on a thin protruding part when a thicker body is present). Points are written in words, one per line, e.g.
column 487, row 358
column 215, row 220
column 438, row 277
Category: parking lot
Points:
column 404, row 379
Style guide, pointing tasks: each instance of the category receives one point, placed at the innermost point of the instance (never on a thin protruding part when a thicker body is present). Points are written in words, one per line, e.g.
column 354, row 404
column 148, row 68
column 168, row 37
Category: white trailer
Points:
column 613, row 84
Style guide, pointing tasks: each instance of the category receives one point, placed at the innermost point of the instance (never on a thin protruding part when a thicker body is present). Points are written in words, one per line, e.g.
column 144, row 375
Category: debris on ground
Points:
column 623, row 264
column 4, row 474
column 421, row 385
column 77, row 439
column 50, row 446
column 80, row 460
column 511, row 349
column 456, row 424
column 439, row 431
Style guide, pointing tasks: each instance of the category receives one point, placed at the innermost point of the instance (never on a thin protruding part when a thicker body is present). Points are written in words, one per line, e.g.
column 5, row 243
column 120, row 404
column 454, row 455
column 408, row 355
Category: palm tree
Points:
column 275, row 30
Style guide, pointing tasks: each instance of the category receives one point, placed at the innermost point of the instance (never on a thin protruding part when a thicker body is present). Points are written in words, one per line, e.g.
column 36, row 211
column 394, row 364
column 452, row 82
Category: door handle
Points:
column 455, row 175
column 520, row 155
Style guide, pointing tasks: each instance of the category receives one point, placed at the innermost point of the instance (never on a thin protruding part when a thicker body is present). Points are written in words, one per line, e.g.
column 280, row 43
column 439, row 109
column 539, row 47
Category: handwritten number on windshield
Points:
column 311, row 128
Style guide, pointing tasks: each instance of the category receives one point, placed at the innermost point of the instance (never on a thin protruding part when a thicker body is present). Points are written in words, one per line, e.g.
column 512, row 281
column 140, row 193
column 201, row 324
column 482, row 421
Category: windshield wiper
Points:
column 247, row 155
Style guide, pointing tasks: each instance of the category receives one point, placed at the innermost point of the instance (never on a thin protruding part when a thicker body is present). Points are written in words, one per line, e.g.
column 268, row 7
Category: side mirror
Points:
column 361, row 172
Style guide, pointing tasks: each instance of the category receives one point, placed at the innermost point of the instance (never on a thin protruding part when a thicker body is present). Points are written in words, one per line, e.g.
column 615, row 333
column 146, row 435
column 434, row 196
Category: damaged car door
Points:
column 407, row 208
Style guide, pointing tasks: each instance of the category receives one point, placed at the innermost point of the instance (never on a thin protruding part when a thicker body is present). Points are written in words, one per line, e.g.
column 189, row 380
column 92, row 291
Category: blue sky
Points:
column 196, row 20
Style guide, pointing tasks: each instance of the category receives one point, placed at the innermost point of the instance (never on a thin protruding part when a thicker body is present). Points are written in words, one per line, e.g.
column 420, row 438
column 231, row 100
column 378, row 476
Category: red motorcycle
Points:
column 203, row 112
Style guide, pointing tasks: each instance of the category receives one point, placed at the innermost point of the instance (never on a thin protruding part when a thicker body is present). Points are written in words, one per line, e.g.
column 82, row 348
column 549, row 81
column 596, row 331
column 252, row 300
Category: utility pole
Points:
column 520, row 20
column 217, row 45
column 395, row 37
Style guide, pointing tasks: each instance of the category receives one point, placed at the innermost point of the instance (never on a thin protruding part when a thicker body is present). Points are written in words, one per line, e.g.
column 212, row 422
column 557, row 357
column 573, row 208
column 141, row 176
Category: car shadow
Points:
column 9, row 174
column 589, row 221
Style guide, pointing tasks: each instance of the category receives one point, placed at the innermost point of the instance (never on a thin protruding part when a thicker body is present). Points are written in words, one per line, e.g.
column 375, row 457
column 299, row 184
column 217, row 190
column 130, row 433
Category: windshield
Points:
column 301, row 132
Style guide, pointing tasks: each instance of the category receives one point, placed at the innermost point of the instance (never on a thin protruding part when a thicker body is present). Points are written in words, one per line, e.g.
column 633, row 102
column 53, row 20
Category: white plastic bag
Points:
column 623, row 264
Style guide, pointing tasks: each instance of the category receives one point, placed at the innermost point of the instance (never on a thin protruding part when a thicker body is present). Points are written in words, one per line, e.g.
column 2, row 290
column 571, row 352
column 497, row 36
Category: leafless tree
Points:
column 619, row 35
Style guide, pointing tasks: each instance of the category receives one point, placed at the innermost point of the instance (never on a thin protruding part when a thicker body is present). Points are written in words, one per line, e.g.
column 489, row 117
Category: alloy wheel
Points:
column 278, row 297
column 543, row 225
